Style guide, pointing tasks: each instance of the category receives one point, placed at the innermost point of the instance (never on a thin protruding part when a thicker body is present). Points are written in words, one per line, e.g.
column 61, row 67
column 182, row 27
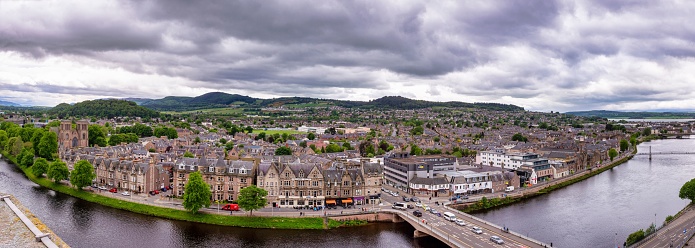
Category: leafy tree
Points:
column 313, row 147
column 283, row 150
column 415, row 150
column 83, row 174
column 612, row 153
column 366, row 148
column 196, row 140
column 261, row 136
column 36, row 139
column 252, row 198
column 223, row 141
column 96, row 136
column 688, row 190
column 519, row 137
column 436, row 139
column 647, row 131
column 383, row 145
column 170, row 133
column 188, row 154
column 229, row 146
column 332, row 147
column 633, row 141
column 40, row 167
column 3, row 139
column 302, row 144
column 635, row 237
column 197, row 193
column 152, row 150
column 418, row 130
column 623, row 145
column 58, row 171
column 14, row 146
column 26, row 158
column 347, row 146
column 48, row 145
column 311, row 136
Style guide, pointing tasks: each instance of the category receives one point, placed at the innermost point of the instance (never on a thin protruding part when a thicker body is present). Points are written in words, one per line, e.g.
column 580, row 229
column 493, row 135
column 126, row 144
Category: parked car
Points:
column 411, row 206
column 418, row 205
column 460, row 222
column 231, row 207
column 102, row 188
column 406, row 199
column 477, row 230
column 113, row 190
column 459, row 200
column 497, row 240
column 125, row 193
column 151, row 193
column 464, row 197
column 156, row 192
column 164, row 189
column 417, row 213
column 414, row 199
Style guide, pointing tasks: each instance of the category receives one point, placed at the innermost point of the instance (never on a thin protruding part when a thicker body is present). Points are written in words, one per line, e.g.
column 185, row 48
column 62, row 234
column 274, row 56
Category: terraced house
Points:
column 301, row 184
column 225, row 177
column 132, row 175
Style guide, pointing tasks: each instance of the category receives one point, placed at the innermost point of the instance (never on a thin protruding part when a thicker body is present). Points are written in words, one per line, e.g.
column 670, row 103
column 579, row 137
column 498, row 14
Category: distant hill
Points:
column 633, row 115
column 138, row 101
column 102, row 109
column 220, row 99
column 10, row 104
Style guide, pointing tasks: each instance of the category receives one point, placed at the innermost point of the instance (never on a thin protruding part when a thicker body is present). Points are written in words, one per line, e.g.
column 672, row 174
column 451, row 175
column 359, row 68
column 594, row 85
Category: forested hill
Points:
column 219, row 99
column 633, row 115
column 102, row 109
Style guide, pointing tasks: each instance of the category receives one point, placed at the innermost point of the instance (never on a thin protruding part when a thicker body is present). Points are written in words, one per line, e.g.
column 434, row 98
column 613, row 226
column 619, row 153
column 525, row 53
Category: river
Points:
column 83, row 224
column 603, row 210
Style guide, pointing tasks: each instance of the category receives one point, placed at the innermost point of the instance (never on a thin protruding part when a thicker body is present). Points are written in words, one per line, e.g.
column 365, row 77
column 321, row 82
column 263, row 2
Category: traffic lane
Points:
column 463, row 233
column 673, row 235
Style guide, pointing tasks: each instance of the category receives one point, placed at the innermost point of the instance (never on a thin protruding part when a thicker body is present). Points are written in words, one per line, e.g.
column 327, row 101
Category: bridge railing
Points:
column 443, row 236
column 495, row 226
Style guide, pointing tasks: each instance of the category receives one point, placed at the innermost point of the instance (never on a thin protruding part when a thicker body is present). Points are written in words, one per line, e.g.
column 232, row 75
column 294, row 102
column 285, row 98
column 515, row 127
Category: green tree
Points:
column 332, row 147
column 688, row 190
column 302, row 144
column 196, row 140
column 228, row 146
column 96, row 136
column 436, row 139
column 83, row 174
column 58, row 171
column 311, row 136
column 48, row 145
column 14, row 146
column 197, row 193
column 252, row 198
column 647, row 131
column 40, row 167
column 612, row 153
column 418, row 130
column 188, row 154
column 633, row 141
column 366, row 148
column 519, row 137
column 26, row 158
column 36, row 139
column 283, row 150
column 635, row 237
column 623, row 145
column 261, row 136
column 3, row 139
column 415, row 150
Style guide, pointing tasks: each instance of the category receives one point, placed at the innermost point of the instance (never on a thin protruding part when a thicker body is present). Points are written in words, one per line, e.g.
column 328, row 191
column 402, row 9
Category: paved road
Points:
column 463, row 234
column 676, row 233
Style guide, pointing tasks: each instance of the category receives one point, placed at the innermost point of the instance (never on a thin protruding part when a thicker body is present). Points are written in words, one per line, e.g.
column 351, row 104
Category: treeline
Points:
column 28, row 141
column 102, row 109
column 127, row 134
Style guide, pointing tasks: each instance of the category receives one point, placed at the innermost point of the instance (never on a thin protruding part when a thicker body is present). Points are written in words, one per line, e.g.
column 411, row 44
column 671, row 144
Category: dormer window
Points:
column 301, row 174
column 242, row 171
column 182, row 167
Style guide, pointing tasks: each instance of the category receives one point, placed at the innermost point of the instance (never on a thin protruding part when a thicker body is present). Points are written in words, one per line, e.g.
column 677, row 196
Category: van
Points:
column 231, row 207
column 449, row 216
column 509, row 189
column 399, row 205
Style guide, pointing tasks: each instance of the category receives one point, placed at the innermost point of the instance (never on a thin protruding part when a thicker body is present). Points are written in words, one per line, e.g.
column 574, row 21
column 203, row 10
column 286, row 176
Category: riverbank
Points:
column 493, row 203
column 175, row 214
column 15, row 233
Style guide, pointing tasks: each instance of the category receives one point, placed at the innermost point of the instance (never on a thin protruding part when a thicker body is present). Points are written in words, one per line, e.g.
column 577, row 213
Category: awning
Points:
column 358, row 198
column 330, row 201
column 347, row 201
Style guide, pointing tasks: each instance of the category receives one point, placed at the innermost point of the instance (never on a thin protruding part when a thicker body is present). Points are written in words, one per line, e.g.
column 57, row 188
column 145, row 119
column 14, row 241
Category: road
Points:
column 676, row 233
column 463, row 234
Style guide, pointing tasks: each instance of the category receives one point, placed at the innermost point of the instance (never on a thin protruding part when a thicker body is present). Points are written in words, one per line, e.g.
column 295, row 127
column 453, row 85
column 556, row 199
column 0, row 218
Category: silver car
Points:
column 497, row 240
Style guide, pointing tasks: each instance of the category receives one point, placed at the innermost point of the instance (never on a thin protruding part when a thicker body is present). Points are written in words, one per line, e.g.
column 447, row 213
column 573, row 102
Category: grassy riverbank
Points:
column 175, row 214
column 487, row 204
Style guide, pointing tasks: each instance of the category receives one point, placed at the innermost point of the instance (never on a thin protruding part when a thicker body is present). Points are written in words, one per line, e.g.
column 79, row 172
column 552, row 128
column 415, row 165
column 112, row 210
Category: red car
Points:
column 231, row 207
column 113, row 190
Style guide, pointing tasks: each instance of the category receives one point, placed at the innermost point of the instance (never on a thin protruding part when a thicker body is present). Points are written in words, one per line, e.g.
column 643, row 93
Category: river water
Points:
column 83, row 224
column 603, row 210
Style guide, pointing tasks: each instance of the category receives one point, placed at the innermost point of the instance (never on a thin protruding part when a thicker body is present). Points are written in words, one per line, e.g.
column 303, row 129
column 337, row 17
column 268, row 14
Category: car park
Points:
column 417, row 213
column 476, row 230
column 497, row 240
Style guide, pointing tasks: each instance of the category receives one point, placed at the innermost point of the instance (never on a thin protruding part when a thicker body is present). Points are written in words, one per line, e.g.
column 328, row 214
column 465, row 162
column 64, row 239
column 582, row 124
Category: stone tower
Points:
column 72, row 138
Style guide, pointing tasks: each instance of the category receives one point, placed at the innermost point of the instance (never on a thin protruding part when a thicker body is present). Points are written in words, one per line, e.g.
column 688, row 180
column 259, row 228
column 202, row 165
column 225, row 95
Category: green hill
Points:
column 102, row 109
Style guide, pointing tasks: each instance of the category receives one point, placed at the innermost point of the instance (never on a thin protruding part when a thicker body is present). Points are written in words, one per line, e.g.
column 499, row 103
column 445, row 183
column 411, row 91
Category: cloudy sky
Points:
column 542, row 55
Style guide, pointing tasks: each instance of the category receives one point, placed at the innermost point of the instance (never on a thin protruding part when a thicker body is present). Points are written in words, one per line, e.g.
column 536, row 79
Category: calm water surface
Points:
column 84, row 224
column 603, row 210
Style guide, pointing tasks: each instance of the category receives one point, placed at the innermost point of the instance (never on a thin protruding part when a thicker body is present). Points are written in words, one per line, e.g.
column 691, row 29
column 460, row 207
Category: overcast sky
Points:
column 541, row 55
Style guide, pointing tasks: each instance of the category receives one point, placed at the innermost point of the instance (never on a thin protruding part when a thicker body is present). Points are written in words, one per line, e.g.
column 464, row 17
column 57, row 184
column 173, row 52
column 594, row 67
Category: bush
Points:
column 635, row 237
column 668, row 219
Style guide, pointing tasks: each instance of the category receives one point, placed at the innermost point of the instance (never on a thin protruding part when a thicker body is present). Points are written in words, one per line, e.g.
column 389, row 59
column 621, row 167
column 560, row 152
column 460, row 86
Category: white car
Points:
column 460, row 222
column 418, row 204
column 477, row 230
column 497, row 240
column 125, row 193
column 102, row 188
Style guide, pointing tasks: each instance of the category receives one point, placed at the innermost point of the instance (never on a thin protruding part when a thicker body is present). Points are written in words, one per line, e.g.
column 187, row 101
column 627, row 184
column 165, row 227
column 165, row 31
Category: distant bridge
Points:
column 664, row 153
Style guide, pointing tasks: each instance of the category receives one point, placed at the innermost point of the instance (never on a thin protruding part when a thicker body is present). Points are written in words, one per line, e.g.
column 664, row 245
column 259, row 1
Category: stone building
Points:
column 72, row 138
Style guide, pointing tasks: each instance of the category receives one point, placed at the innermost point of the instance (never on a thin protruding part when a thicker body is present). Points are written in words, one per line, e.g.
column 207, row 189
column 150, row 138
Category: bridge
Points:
column 456, row 235
column 664, row 153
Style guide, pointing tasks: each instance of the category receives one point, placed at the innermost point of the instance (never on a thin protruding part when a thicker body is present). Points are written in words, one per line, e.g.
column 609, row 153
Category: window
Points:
column 287, row 174
column 300, row 183
column 243, row 180
column 219, row 187
column 301, row 174
column 315, row 183
column 220, row 179
column 230, row 198
column 346, row 183
column 346, row 192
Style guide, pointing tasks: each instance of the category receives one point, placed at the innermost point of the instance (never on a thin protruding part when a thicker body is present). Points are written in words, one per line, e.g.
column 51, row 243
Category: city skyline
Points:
column 543, row 56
